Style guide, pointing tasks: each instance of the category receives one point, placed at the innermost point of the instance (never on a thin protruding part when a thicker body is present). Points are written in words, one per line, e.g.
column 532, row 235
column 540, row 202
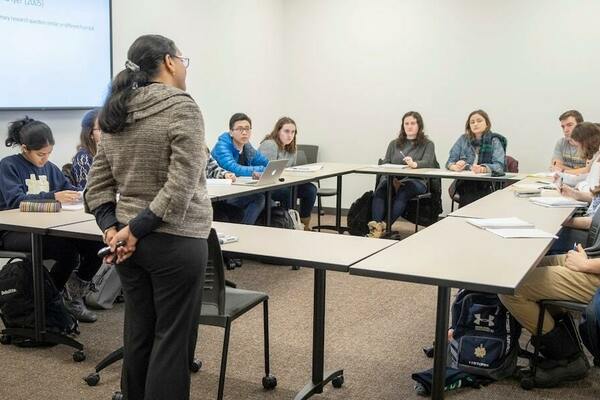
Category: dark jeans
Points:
column 307, row 193
column 409, row 189
column 68, row 254
column 470, row 191
column 253, row 204
column 162, row 283
column 567, row 238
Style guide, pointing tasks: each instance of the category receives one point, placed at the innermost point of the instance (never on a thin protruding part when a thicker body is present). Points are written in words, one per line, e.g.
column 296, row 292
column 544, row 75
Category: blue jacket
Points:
column 228, row 156
column 15, row 169
column 463, row 150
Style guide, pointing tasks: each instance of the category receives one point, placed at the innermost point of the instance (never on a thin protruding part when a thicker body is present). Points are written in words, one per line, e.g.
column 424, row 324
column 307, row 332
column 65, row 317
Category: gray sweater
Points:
column 158, row 162
column 423, row 155
column 271, row 150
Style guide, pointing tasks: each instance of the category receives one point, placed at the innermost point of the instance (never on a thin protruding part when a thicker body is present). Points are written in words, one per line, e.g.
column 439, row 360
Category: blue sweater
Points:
column 15, row 170
column 82, row 163
column 228, row 157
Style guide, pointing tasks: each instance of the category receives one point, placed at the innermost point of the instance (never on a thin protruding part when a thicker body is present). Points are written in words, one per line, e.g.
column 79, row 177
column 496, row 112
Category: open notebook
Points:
column 511, row 227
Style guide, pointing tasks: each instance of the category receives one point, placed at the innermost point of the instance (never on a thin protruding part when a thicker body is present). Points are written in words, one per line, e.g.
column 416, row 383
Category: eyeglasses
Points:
column 243, row 129
column 184, row 60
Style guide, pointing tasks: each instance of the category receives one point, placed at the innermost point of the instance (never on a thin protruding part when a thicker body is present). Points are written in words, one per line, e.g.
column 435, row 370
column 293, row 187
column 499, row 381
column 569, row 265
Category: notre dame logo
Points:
column 480, row 351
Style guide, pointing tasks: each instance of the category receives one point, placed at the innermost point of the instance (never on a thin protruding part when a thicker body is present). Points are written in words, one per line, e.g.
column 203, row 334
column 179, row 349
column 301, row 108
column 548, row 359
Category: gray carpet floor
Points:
column 375, row 331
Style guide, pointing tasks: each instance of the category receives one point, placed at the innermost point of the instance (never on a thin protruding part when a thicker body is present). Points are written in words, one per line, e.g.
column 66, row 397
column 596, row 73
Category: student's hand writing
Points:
column 256, row 175
column 479, row 169
column 123, row 252
column 567, row 191
column 459, row 165
column 67, row 196
column 576, row 259
column 230, row 175
column 409, row 161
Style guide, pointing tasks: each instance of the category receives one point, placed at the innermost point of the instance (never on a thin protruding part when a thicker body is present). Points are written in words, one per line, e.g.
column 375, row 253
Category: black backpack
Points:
column 589, row 327
column 359, row 215
column 280, row 218
column 16, row 300
column 486, row 336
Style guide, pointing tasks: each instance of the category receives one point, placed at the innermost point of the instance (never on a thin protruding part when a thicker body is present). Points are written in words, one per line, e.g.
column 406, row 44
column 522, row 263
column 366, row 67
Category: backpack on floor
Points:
column 16, row 300
column 280, row 218
column 359, row 215
column 106, row 287
column 486, row 336
column 589, row 327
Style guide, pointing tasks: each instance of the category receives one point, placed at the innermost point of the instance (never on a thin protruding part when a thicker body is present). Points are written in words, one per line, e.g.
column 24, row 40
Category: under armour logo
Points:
column 489, row 321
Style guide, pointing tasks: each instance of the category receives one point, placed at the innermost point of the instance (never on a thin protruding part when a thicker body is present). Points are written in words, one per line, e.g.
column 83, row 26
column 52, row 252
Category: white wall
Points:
column 235, row 51
column 346, row 70
column 354, row 67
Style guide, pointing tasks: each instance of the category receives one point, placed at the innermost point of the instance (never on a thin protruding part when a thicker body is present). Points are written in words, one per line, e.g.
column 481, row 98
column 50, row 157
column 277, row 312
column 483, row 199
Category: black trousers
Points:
column 162, row 282
column 471, row 191
column 68, row 254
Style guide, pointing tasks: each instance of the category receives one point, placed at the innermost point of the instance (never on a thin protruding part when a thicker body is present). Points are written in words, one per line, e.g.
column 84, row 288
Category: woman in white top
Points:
column 586, row 136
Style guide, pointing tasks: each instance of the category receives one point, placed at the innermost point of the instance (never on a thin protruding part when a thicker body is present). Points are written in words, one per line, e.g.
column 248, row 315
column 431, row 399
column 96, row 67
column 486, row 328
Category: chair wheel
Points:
column 196, row 365
column 78, row 356
column 338, row 381
column 5, row 339
column 92, row 379
column 117, row 396
column 527, row 382
column 269, row 382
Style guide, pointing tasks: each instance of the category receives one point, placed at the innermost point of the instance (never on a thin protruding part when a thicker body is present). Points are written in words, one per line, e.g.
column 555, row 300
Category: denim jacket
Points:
column 463, row 150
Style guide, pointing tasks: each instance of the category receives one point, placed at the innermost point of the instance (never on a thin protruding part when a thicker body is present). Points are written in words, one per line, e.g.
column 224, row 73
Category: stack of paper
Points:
column 510, row 227
column 557, row 202
column 524, row 189
column 225, row 238
column 393, row 166
column 542, row 175
column 305, row 168
column 217, row 182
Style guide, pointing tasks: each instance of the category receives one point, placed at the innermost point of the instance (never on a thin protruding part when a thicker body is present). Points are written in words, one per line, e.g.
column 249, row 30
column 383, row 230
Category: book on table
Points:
column 558, row 202
column 305, row 168
column 510, row 227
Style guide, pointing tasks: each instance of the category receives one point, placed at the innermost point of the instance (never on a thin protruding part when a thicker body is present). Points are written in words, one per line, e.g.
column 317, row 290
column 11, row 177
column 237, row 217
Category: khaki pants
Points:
column 551, row 280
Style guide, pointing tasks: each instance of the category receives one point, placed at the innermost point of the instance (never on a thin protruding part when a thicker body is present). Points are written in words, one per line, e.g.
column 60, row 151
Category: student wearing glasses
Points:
column 280, row 144
column 413, row 149
column 88, row 144
column 153, row 153
column 234, row 153
column 480, row 151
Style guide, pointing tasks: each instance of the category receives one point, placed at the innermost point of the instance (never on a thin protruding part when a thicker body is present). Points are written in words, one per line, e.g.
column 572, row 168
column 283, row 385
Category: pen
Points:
column 403, row 155
column 575, row 246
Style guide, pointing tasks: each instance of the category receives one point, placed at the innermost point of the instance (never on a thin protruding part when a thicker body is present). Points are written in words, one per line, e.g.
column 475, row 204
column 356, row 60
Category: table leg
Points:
column 388, row 227
column 338, row 205
column 268, row 208
column 38, row 286
column 319, row 377
column 441, row 343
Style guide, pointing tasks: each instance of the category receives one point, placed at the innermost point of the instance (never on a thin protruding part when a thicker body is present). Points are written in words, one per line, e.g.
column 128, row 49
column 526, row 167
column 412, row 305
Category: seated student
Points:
column 570, row 277
column 586, row 137
column 280, row 144
column 30, row 176
column 413, row 148
column 566, row 156
column 88, row 140
column 234, row 153
column 479, row 150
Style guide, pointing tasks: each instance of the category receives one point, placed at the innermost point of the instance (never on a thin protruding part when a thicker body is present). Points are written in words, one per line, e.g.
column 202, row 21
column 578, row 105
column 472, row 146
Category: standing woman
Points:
column 88, row 145
column 153, row 154
column 280, row 144
column 479, row 150
column 30, row 176
column 414, row 149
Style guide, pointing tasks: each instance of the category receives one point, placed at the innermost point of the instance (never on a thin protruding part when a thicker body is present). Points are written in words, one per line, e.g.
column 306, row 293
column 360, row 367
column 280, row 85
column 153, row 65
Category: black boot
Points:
column 564, row 358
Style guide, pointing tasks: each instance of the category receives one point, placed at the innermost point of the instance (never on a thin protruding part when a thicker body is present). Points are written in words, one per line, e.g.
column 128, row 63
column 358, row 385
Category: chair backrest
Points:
column 593, row 238
column 311, row 152
column 511, row 164
column 214, row 277
column 67, row 171
column 301, row 157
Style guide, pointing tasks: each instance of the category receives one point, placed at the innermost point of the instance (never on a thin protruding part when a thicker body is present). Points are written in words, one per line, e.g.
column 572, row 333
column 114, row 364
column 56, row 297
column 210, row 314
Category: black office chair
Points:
column 221, row 305
column 417, row 198
column 309, row 156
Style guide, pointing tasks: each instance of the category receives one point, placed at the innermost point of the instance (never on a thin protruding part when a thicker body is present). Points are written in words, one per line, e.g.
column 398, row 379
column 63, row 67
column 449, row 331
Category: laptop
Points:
column 269, row 176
